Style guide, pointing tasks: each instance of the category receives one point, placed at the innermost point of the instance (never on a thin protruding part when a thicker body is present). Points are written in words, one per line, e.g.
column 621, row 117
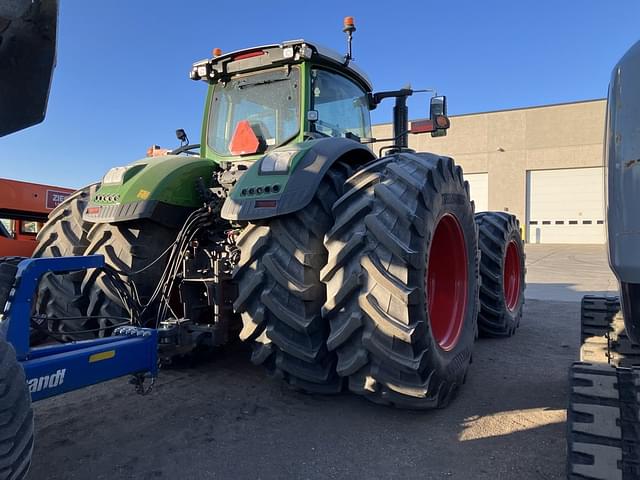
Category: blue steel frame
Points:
column 55, row 369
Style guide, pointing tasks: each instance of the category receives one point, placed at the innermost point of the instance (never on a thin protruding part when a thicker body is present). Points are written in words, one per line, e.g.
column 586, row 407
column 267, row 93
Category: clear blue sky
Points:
column 122, row 83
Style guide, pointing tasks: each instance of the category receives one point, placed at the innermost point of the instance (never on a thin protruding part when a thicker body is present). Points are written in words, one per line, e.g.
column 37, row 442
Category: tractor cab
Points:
column 266, row 97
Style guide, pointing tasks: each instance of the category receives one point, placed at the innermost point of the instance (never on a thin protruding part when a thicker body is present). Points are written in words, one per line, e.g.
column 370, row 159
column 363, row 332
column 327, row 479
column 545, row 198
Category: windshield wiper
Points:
column 263, row 82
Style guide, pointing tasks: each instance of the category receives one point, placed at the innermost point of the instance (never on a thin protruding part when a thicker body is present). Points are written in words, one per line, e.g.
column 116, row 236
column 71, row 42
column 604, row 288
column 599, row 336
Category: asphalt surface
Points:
column 567, row 272
column 225, row 418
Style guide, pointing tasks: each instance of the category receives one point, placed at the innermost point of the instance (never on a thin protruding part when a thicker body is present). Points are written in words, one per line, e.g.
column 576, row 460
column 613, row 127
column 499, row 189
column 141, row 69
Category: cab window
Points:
column 269, row 102
column 342, row 106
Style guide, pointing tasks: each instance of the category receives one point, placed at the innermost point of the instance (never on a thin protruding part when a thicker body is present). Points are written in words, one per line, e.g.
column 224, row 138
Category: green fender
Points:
column 261, row 193
column 163, row 189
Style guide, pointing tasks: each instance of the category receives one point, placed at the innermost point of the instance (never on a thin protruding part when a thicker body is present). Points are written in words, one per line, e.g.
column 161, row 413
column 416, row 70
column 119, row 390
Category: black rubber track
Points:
column 375, row 276
column 280, row 294
column 603, row 335
column 64, row 234
column 603, row 423
column 128, row 247
column 16, row 415
column 495, row 231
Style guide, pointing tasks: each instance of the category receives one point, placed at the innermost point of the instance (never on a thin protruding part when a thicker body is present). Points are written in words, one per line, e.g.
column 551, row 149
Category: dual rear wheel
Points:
column 87, row 299
column 411, row 277
column 388, row 304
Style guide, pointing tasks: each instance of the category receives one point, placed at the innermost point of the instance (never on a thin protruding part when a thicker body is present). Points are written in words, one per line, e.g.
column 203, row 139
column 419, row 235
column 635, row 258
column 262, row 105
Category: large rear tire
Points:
column 64, row 234
column 128, row 247
column 280, row 294
column 16, row 414
column 502, row 273
column 402, row 281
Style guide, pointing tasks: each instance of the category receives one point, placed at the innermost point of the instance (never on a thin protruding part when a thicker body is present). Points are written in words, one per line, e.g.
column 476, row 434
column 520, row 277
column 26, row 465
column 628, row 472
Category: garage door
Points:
column 565, row 206
column 479, row 188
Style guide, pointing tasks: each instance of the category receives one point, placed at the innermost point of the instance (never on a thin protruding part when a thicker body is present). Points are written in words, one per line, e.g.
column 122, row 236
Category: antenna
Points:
column 348, row 28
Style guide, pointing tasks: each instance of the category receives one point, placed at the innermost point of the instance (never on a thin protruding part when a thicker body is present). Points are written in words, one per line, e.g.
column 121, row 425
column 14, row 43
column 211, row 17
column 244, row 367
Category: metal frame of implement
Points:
column 55, row 369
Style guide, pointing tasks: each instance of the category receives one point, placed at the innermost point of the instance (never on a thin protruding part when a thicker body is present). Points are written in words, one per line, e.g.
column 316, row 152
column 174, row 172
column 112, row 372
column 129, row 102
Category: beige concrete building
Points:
column 543, row 164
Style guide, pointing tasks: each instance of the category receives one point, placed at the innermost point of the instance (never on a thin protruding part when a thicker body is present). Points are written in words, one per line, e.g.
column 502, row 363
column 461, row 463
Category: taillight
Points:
column 242, row 56
column 422, row 126
column 266, row 203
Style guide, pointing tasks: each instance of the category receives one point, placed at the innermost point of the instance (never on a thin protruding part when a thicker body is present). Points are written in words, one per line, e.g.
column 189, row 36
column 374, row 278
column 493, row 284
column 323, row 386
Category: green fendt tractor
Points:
column 342, row 268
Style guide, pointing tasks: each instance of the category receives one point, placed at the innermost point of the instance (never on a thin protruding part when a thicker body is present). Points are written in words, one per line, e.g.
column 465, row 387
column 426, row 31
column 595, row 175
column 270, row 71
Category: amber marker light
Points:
column 349, row 24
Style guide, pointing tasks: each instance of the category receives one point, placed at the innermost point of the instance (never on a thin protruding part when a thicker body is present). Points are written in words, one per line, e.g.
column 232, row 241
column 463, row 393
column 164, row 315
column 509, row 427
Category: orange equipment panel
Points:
column 24, row 207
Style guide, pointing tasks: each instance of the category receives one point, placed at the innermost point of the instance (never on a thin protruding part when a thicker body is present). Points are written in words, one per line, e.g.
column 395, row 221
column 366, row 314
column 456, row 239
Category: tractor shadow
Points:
column 223, row 417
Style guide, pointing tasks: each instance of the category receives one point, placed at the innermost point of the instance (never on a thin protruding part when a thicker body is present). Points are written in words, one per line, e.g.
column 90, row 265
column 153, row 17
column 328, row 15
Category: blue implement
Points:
column 55, row 369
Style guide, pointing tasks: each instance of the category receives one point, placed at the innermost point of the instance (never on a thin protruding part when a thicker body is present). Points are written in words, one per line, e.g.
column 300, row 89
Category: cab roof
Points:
column 265, row 56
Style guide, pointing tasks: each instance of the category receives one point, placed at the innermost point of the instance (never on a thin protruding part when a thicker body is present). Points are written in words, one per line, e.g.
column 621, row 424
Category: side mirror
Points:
column 438, row 122
column 438, row 115
column 438, row 107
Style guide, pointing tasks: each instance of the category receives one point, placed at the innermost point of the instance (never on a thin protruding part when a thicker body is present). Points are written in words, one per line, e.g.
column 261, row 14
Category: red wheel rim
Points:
column 511, row 276
column 446, row 280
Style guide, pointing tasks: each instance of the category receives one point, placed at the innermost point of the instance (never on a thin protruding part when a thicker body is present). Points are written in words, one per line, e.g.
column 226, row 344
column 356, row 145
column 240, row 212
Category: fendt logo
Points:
column 47, row 381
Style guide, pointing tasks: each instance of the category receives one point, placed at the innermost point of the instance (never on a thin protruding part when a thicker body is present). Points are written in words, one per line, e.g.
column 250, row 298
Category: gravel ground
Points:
column 224, row 418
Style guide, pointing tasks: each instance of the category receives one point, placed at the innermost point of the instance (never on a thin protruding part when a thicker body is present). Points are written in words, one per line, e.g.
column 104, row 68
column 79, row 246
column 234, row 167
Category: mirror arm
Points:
column 184, row 148
column 390, row 139
column 376, row 98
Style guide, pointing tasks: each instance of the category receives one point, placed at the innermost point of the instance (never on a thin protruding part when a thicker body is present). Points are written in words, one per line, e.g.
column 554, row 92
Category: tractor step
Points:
column 603, row 422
